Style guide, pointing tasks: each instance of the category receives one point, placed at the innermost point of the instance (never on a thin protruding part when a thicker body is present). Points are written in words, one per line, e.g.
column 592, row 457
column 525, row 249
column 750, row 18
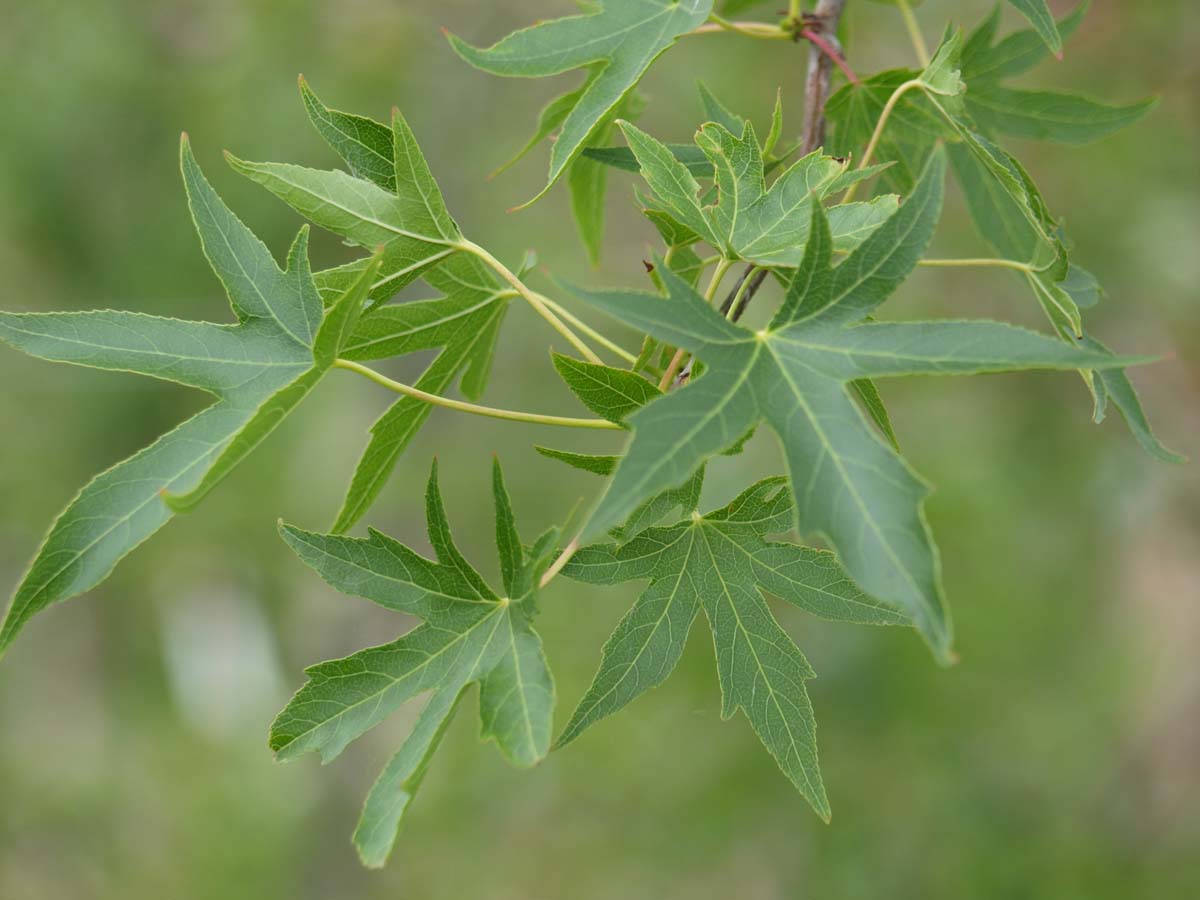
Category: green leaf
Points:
column 610, row 393
column 1050, row 115
column 912, row 130
column 258, row 369
column 749, row 221
column 868, row 394
column 716, row 111
column 616, row 41
column 588, row 179
column 1005, row 230
column 690, row 155
column 1114, row 385
column 1040, row 17
column 469, row 635
column 1046, row 115
column 462, row 325
column 849, row 485
column 985, row 58
column 550, row 119
column 396, row 204
column 365, row 144
column 597, row 465
column 722, row 562
column 413, row 225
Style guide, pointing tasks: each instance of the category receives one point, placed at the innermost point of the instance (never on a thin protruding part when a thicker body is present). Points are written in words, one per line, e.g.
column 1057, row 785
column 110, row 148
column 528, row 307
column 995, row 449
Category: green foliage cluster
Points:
column 807, row 376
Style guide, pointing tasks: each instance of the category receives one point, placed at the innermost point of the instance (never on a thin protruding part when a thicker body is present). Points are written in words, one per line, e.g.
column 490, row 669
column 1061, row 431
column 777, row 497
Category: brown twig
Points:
column 822, row 23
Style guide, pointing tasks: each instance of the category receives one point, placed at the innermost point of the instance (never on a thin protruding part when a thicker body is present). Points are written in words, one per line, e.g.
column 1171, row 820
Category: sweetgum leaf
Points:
column 690, row 155
column 1005, row 230
column 470, row 635
column 616, row 40
column 722, row 562
column 258, row 369
column 610, row 393
column 749, row 221
column 912, row 130
column 986, row 58
column 1042, row 20
column 587, row 180
column 849, row 485
column 1046, row 115
column 397, row 204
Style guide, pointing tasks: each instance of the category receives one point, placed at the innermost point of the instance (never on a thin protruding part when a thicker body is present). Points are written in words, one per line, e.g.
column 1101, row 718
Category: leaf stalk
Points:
column 473, row 408
column 537, row 301
column 888, row 107
column 714, row 282
column 914, row 32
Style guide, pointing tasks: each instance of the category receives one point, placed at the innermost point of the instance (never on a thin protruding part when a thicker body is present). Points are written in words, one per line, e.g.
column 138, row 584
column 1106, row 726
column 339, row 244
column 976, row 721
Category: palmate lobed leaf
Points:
column 259, row 370
column 692, row 156
column 616, row 41
column 748, row 220
column 722, row 563
column 470, row 635
column 1004, row 204
column 1046, row 115
column 1002, row 224
column 394, row 202
column 849, row 485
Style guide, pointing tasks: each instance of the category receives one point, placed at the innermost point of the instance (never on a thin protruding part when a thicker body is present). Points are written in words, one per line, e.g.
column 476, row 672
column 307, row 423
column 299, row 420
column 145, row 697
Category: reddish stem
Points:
column 829, row 50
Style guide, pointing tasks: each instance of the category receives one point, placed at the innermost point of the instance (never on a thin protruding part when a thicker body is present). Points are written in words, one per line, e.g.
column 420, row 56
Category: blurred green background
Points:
column 1060, row 758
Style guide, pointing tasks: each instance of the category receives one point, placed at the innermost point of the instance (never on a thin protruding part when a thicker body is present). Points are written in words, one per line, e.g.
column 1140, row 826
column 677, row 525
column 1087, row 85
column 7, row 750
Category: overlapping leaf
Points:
column 692, row 156
column 849, row 485
column 1003, row 226
column 258, row 369
column 721, row 562
column 748, row 220
column 470, row 635
column 1004, row 204
column 616, row 41
column 395, row 204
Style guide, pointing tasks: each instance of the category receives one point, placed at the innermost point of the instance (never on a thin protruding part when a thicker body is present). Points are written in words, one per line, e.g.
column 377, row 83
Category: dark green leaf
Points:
column 1040, row 17
column 469, row 635
column 616, row 40
column 849, row 486
column 399, row 207
column 610, row 393
column 721, row 562
column 258, row 369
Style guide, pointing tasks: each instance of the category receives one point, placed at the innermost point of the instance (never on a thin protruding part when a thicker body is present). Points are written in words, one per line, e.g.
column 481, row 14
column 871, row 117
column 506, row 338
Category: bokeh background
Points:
column 1060, row 758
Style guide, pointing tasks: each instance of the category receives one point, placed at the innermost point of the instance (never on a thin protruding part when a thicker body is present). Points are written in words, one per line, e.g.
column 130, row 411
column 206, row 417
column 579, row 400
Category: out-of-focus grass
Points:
column 1057, row 760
